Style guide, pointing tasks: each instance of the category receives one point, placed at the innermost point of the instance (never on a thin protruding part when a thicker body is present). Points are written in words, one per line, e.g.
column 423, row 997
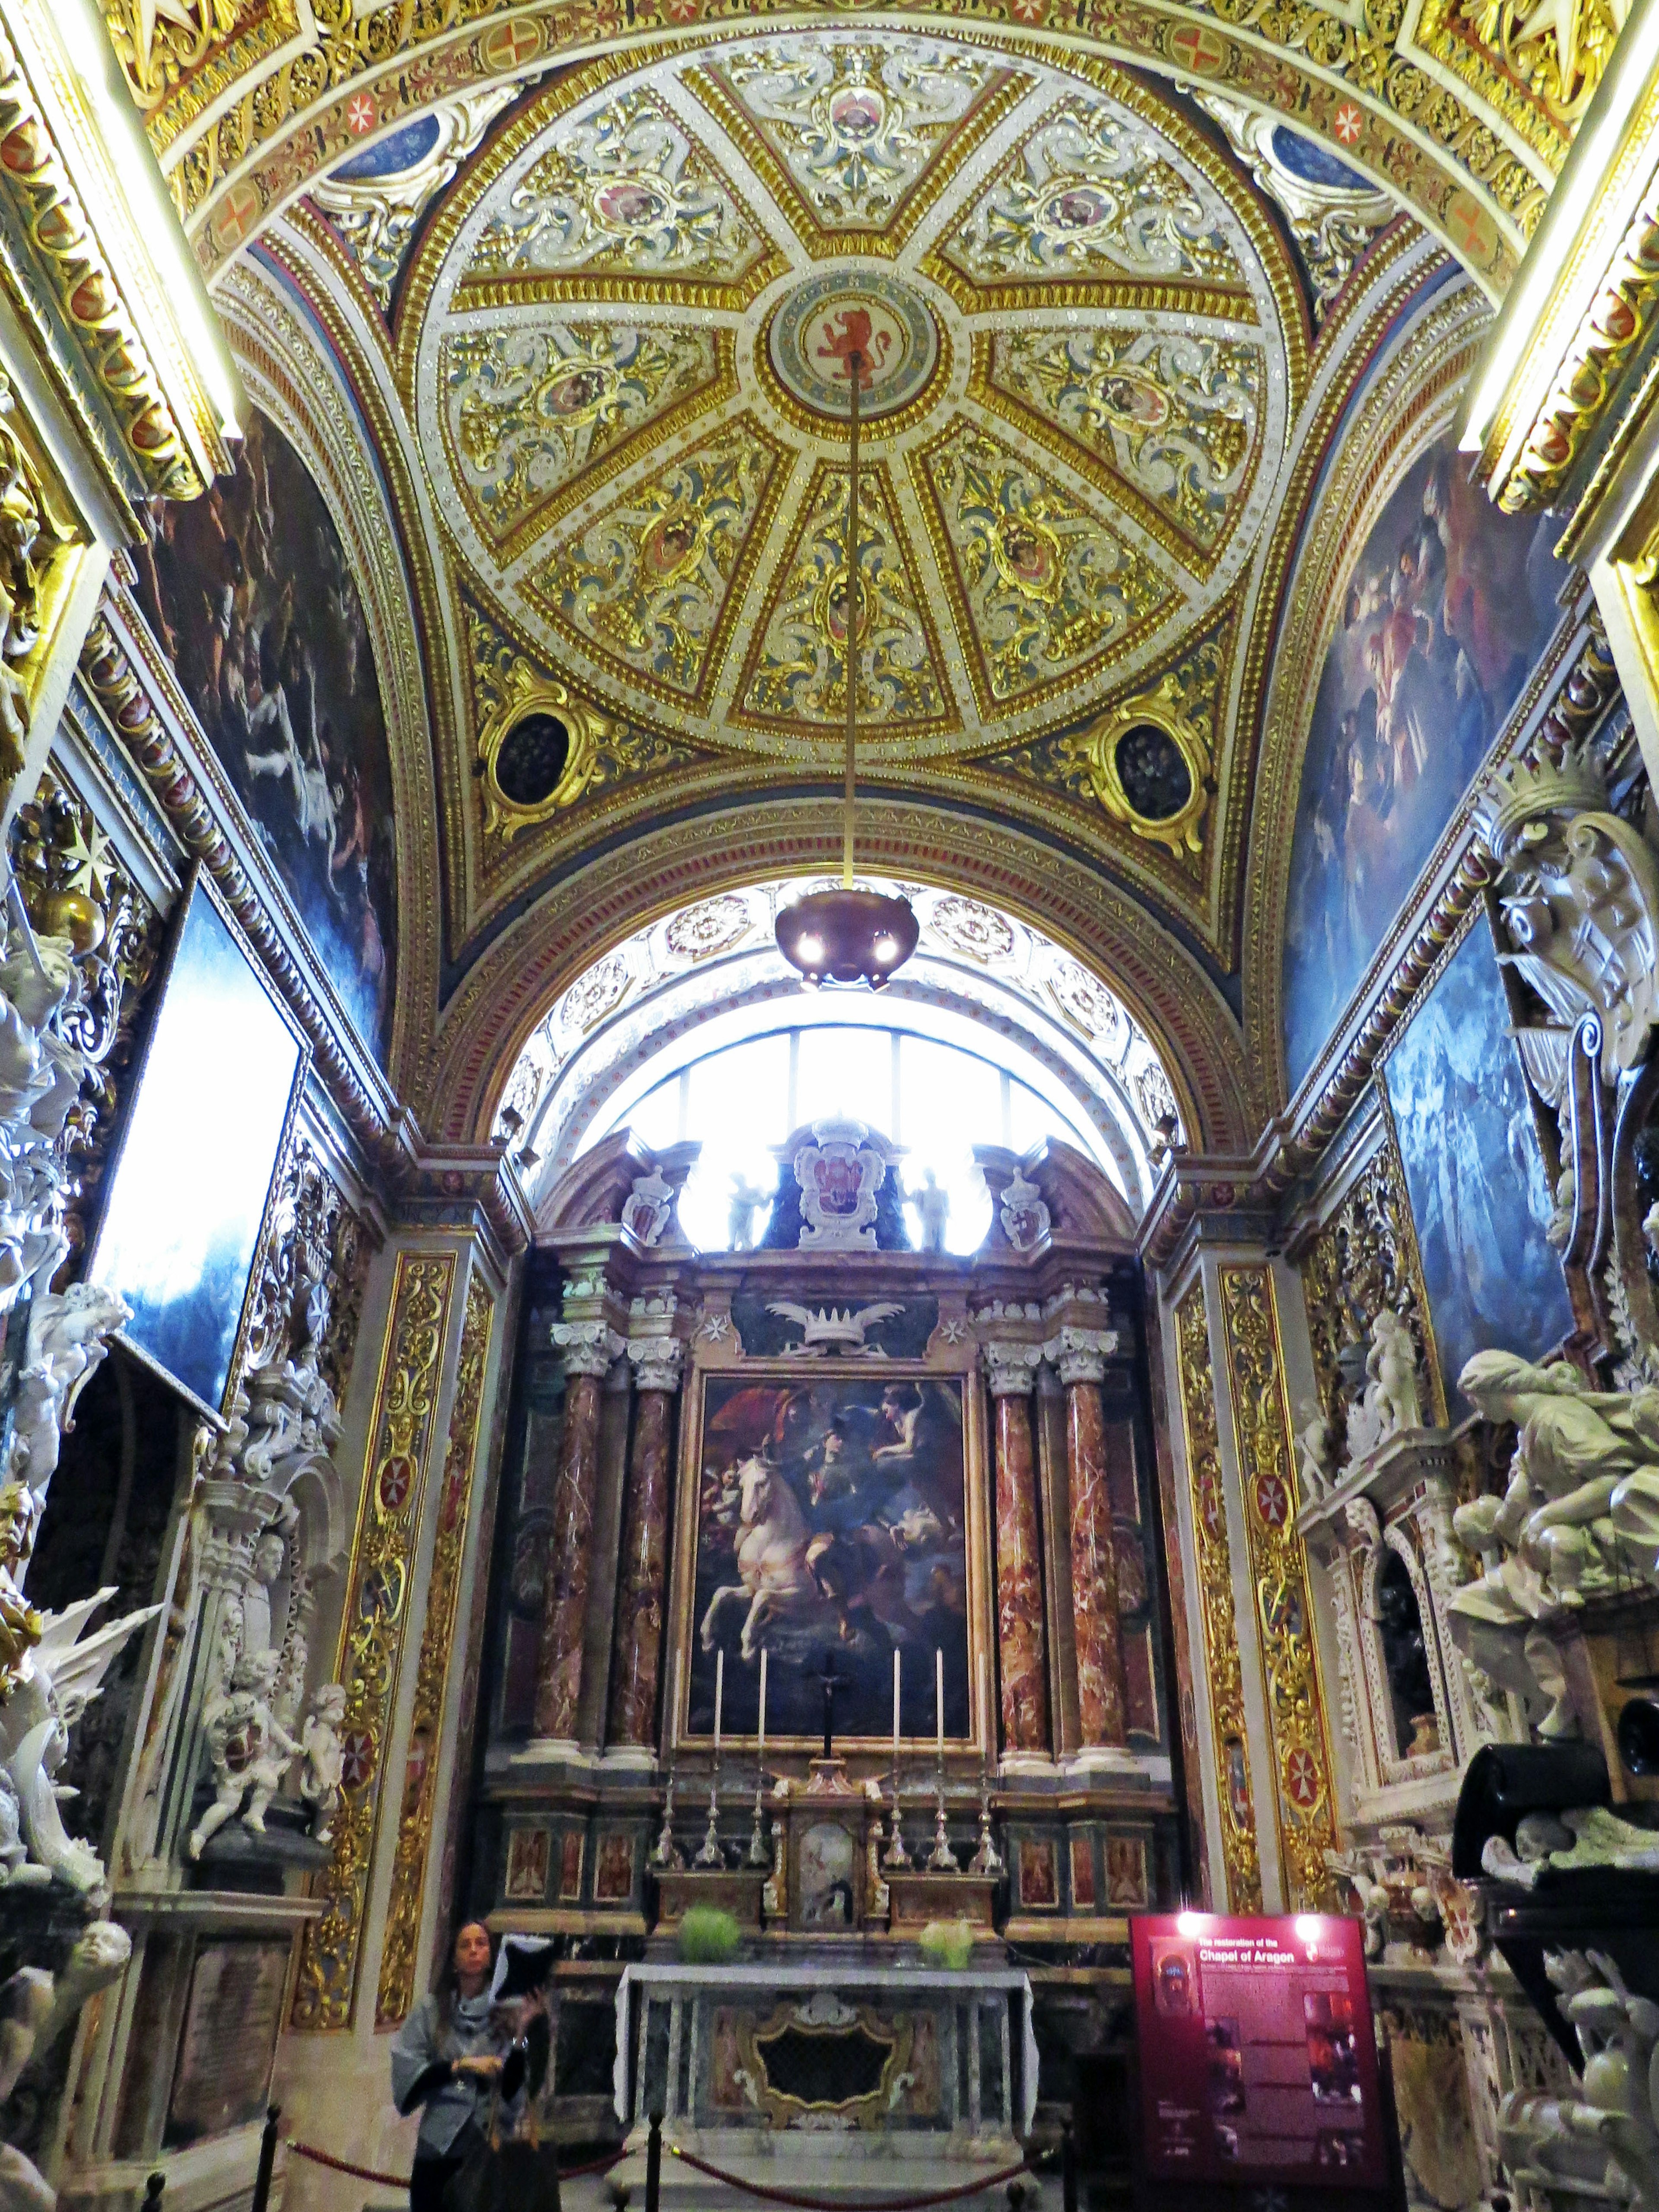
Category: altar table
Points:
column 852, row 2076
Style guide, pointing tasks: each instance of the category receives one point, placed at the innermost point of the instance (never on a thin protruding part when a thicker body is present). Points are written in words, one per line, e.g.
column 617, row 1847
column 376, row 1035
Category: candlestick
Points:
column 720, row 1694
column 942, row 1859
column 667, row 1852
column 760, row 1753
column 896, row 1855
column 896, row 1706
column 939, row 1698
column 986, row 1859
column 711, row 1855
column 985, row 1697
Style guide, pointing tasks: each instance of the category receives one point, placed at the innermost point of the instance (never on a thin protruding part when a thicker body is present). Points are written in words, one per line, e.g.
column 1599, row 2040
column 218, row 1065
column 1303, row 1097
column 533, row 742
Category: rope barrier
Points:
column 401, row 2180
column 865, row 2204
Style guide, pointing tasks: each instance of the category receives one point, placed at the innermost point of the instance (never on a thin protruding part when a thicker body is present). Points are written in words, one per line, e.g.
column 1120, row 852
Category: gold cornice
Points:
column 1413, row 136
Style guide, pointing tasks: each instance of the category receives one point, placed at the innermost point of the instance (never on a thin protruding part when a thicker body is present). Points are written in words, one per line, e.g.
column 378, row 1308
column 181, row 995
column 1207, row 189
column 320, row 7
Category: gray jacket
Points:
column 424, row 2053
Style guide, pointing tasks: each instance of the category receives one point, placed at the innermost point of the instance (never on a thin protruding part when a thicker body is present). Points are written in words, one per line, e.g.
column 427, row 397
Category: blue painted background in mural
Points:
column 1479, row 1193
column 250, row 594
column 1449, row 609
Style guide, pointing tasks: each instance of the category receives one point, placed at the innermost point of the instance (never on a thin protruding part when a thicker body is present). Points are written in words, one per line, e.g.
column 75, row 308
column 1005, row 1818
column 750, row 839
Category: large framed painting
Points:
column 251, row 596
column 1449, row 606
column 187, row 1188
column 830, row 1527
column 1475, row 1172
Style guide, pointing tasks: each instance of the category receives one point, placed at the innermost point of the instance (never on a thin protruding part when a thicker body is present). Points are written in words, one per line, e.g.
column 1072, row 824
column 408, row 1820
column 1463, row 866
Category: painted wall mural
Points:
column 250, row 595
column 1449, row 608
column 1475, row 1176
column 857, row 1488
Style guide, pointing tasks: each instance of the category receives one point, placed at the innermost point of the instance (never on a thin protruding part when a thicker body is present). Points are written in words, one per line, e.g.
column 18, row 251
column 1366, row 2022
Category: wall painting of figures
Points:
column 1480, row 1194
column 250, row 595
column 831, row 1519
column 1449, row 609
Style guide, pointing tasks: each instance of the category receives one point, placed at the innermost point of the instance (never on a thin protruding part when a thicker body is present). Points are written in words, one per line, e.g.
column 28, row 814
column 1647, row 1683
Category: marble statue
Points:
column 931, row 1207
column 1025, row 1219
column 319, row 1742
column 744, row 1203
column 269, row 1556
column 1601, row 2143
column 34, row 2007
column 249, row 1748
column 1315, row 1449
column 1390, row 1402
column 58, row 1680
column 63, row 1349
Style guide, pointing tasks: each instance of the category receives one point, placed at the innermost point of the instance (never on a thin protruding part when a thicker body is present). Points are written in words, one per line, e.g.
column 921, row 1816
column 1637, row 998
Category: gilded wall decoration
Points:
column 400, row 1943
column 374, row 1627
column 1304, row 1777
column 1149, row 759
column 40, row 550
column 376, row 199
column 1091, row 193
column 1220, row 1656
column 853, row 125
column 1363, row 1258
column 74, row 888
column 509, row 690
column 652, row 585
column 797, row 672
column 1175, row 415
column 1043, row 586
column 530, row 409
column 622, row 192
column 1537, row 67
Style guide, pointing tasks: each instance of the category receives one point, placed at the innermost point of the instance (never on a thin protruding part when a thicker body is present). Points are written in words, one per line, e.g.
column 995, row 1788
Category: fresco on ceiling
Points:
column 1449, row 606
column 249, row 594
column 1480, row 1195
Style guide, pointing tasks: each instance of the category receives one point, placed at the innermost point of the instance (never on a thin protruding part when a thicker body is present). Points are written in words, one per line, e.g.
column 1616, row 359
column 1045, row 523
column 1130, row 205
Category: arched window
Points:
column 696, row 1028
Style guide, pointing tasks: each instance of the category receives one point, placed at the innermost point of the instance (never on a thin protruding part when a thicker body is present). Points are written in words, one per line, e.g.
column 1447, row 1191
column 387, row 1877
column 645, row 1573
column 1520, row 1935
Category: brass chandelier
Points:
column 847, row 935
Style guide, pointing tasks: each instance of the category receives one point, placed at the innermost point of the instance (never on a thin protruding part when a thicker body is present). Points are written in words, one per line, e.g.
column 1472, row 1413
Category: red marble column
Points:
column 1102, row 1695
column 589, row 1350
column 638, row 1663
column 1011, row 1369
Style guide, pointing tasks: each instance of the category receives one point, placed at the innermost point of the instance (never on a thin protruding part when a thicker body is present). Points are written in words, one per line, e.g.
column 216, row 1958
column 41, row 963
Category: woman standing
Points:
column 454, row 2055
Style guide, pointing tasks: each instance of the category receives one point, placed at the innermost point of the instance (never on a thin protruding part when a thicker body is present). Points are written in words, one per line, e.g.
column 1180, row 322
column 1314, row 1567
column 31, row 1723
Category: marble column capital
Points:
column 1011, row 1369
column 1079, row 1355
column 589, row 1346
column 658, row 1361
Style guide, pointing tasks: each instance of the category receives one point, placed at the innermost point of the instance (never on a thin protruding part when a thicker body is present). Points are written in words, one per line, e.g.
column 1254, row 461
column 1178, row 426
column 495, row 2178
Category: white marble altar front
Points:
column 938, row 2073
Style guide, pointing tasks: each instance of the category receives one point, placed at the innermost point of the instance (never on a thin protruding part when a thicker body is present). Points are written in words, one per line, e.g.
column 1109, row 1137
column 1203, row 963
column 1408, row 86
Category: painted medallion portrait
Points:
column 830, row 1524
column 1449, row 608
column 250, row 595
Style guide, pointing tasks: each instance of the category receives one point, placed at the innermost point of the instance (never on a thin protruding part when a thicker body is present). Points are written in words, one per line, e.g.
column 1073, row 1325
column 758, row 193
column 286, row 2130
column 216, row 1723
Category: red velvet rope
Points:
column 401, row 2180
column 866, row 2204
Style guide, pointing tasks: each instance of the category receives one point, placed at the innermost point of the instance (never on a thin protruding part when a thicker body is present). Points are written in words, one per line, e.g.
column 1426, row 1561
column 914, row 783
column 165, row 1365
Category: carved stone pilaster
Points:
column 1011, row 1369
column 589, row 1346
column 1079, row 1355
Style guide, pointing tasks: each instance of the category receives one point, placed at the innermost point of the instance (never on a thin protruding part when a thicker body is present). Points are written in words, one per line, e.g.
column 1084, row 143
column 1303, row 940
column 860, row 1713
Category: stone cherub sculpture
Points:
column 745, row 1202
column 249, row 1748
column 1315, row 1449
column 320, row 1741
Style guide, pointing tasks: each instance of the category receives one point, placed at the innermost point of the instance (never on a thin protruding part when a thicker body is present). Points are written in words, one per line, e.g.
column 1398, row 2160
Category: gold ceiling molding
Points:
column 509, row 684
column 1347, row 81
column 508, row 991
column 1411, row 401
column 289, row 375
column 1536, row 68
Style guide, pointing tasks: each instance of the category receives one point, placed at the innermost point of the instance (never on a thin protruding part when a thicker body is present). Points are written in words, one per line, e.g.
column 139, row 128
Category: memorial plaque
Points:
column 1257, row 2062
column 223, row 2080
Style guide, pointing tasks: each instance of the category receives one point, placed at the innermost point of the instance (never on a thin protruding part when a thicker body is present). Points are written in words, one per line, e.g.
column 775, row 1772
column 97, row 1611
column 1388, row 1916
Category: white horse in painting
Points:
column 771, row 1557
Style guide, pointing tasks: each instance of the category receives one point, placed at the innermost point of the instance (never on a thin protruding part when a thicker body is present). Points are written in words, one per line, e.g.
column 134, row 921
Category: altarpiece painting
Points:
column 831, row 1529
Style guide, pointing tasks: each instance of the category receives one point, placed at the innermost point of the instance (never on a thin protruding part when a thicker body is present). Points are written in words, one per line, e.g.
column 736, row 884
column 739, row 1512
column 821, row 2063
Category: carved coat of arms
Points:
column 839, row 1173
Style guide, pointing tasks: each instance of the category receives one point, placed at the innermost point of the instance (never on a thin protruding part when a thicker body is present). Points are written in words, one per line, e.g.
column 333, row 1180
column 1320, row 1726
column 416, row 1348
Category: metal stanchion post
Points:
column 267, row 2160
column 1068, row 2167
column 152, row 2189
column 654, row 2165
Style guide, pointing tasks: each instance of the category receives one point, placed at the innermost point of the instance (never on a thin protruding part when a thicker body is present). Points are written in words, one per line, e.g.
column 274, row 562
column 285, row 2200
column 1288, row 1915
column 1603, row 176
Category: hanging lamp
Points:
column 846, row 935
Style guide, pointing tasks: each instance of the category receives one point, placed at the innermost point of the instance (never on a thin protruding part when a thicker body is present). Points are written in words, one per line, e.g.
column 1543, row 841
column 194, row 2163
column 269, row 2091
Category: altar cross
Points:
column 831, row 1682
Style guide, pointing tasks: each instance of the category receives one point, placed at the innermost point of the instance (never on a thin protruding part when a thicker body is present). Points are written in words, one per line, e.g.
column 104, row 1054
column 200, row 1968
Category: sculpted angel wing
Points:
column 787, row 1312
column 867, row 1317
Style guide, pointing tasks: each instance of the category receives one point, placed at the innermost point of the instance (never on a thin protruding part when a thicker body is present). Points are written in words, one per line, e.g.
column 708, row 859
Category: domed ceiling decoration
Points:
column 634, row 315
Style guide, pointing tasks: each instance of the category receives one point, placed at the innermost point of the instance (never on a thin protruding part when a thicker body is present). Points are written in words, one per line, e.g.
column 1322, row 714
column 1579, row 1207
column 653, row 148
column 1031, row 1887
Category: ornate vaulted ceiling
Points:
column 570, row 352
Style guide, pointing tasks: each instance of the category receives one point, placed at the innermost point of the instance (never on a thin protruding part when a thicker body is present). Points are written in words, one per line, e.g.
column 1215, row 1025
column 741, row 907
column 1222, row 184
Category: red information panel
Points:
column 1257, row 2061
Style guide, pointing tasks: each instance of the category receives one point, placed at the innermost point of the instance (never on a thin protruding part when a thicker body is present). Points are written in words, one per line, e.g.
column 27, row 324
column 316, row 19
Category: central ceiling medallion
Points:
column 823, row 323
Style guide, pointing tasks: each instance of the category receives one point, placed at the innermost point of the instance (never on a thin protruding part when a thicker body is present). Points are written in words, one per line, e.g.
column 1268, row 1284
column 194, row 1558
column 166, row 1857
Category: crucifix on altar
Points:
column 831, row 1681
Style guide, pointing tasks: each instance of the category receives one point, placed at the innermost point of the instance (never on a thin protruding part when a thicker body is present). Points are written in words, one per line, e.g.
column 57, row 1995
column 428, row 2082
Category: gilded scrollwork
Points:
column 1220, row 1655
column 1303, row 1776
column 400, row 1942
column 374, row 1627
